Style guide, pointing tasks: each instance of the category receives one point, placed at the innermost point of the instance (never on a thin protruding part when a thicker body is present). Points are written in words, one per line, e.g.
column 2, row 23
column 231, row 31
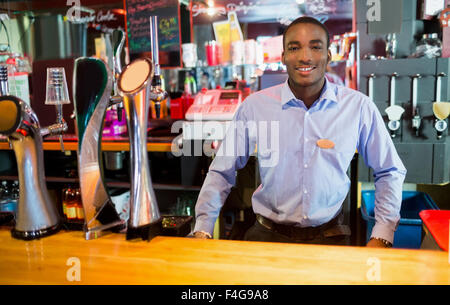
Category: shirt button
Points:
column 305, row 191
column 306, row 165
column 305, row 217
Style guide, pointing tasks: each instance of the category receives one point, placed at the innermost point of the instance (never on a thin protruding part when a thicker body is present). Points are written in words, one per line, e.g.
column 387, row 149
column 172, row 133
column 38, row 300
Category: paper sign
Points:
column 236, row 32
column 433, row 7
column 222, row 32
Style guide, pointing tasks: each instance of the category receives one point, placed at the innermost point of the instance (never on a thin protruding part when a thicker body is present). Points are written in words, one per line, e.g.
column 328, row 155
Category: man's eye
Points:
column 293, row 49
column 317, row 47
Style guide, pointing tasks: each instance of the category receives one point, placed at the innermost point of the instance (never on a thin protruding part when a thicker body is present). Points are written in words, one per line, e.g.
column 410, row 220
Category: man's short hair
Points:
column 310, row 20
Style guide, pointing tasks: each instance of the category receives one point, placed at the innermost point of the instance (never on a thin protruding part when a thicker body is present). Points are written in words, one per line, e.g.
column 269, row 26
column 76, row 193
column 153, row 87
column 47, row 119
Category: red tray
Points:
column 437, row 222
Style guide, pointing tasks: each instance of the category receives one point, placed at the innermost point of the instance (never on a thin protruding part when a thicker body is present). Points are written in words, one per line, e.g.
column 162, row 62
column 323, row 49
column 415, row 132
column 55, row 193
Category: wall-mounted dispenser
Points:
column 441, row 109
column 394, row 111
column 416, row 119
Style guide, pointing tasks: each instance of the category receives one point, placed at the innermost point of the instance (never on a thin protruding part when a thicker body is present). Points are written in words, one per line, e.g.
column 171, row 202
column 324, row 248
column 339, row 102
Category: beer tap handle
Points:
column 57, row 94
column 60, row 120
column 157, row 93
column 118, row 50
column 439, row 86
column 154, row 44
column 370, row 89
column 393, row 88
column 416, row 120
column 118, row 41
column 415, row 93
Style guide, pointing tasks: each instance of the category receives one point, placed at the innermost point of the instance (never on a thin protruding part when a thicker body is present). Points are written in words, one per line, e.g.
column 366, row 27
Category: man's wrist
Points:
column 385, row 242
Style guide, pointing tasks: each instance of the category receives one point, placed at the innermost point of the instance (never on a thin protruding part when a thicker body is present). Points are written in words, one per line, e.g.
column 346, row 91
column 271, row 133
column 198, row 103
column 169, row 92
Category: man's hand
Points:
column 201, row 235
column 376, row 243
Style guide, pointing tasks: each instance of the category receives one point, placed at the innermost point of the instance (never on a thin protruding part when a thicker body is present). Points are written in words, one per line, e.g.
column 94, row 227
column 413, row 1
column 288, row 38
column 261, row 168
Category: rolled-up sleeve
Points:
column 379, row 153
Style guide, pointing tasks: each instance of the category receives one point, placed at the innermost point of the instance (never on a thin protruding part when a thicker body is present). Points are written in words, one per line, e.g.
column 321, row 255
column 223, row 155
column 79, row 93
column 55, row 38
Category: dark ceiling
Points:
column 248, row 11
column 274, row 11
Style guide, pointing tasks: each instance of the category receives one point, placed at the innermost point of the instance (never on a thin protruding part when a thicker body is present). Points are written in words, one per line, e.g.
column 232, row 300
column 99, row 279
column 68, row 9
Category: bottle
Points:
column 71, row 208
column 78, row 204
column 391, row 45
column 187, row 88
column 429, row 46
column 9, row 198
column 193, row 84
column 15, row 190
column 4, row 196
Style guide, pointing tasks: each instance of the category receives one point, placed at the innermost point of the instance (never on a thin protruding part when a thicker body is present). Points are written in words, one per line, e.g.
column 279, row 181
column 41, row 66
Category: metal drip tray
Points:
column 176, row 225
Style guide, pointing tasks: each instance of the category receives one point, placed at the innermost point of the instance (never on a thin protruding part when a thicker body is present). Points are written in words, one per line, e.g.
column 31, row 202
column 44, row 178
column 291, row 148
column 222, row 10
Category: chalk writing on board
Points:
column 138, row 28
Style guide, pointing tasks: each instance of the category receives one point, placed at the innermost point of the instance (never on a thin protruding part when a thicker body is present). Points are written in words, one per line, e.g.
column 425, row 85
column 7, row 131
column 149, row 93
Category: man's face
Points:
column 306, row 55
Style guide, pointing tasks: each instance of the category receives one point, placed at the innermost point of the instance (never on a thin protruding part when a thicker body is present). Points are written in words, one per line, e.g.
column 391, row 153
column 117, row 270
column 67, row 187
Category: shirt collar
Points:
column 329, row 93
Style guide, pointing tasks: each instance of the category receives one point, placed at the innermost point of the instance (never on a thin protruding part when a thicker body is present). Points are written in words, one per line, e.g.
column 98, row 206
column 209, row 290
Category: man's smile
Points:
column 305, row 70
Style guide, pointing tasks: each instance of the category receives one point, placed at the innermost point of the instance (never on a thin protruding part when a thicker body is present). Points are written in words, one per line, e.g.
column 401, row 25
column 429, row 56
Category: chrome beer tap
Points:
column 118, row 40
column 157, row 93
column 37, row 215
column 370, row 90
column 394, row 112
column 135, row 87
column 416, row 120
column 56, row 94
column 441, row 109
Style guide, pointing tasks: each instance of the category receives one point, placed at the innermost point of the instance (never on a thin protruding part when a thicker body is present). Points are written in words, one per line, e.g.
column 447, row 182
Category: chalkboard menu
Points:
column 138, row 29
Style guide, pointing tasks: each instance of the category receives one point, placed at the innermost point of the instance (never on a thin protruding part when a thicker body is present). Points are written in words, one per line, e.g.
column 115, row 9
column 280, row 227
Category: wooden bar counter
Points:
column 155, row 144
column 173, row 260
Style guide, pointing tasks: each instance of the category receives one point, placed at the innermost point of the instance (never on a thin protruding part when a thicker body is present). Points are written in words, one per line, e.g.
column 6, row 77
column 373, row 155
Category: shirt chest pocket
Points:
column 268, row 157
column 337, row 157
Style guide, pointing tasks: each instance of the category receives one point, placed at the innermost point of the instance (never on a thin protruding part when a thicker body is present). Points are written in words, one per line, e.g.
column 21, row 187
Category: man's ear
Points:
column 329, row 56
column 282, row 58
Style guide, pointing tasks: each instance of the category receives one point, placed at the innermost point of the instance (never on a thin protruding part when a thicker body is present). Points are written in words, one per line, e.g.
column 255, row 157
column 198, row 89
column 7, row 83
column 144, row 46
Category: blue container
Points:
column 409, row 231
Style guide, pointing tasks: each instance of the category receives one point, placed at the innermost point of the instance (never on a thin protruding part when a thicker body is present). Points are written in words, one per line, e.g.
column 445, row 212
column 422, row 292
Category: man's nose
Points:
column 305, row 56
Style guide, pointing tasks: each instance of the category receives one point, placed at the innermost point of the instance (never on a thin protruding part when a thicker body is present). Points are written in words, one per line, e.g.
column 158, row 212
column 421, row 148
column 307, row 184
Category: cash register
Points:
column 211, row 113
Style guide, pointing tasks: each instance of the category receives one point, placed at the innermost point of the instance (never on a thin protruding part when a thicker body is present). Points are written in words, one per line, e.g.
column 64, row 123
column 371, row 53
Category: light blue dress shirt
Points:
column 303, row 184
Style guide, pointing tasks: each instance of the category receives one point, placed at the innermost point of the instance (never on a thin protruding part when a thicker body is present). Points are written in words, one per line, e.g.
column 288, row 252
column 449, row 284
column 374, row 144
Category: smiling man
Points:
column 306, row 56
column 319, row 126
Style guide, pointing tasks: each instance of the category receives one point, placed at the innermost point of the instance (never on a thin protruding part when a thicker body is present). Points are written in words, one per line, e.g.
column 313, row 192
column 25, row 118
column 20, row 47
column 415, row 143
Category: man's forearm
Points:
column 388, row 199
column 212, row 196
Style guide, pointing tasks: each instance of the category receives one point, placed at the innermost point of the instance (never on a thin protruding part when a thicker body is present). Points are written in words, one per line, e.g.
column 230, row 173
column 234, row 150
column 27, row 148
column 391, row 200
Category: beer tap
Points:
column 116, row 100
column 394, row 112
column 441, row 109
column 134, row 85
column 370, row 86
column 157, row 93
column 37, row 215
column 416, row 119
column 56, row 94
column 91, row 93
